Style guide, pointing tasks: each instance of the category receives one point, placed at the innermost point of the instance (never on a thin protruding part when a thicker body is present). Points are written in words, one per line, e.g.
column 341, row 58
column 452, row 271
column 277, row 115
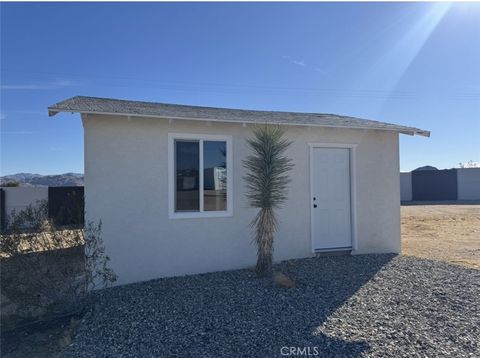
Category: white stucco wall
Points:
column 406, row 186
column 468, row 183
column 126, row 185
column 18, row 198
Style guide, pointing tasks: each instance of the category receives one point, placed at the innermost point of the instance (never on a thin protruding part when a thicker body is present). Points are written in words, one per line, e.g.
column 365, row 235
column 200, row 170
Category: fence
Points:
column 65, row 204
column 468, row 183
column 438, row 185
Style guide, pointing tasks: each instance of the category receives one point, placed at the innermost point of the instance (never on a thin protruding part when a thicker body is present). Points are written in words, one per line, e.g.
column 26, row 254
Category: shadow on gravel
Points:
column 30, row 284
column 230, row 313
column 327, row 283
column 39, row 339
column 30, row 326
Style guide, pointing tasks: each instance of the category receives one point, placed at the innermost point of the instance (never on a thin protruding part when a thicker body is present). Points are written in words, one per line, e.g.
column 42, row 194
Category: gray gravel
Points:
column 368, row 305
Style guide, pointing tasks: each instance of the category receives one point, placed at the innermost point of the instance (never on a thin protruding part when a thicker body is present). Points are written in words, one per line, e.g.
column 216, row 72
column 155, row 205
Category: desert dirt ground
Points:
column 442, row 232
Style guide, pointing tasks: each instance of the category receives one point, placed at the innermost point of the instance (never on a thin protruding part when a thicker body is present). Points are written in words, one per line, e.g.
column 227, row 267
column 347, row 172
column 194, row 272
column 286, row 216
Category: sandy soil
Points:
column 442, row 232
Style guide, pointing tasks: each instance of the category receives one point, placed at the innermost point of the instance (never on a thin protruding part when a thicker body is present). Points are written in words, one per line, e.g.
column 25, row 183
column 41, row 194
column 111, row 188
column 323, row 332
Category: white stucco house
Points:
column 167, row 182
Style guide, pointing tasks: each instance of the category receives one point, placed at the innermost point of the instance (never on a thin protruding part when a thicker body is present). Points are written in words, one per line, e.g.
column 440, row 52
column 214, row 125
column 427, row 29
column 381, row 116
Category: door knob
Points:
column 314, row 205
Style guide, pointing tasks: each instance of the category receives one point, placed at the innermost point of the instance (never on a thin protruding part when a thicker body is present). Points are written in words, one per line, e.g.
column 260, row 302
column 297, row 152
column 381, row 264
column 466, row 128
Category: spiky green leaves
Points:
column 267, row 167
column 267, row 182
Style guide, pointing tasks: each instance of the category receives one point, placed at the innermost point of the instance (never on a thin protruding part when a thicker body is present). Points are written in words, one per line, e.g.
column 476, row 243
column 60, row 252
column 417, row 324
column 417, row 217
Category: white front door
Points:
column 331, row 199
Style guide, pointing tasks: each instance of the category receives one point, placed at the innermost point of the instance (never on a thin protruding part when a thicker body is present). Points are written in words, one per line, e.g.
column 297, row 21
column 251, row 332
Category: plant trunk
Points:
column 264, row 263
column 265, row 224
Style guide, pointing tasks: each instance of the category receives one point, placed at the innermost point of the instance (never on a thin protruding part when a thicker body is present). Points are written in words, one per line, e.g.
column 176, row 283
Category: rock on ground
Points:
column 368, row 305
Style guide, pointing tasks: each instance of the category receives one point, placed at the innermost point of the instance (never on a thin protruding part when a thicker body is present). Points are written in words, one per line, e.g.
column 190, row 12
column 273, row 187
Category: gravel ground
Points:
column 369, row 305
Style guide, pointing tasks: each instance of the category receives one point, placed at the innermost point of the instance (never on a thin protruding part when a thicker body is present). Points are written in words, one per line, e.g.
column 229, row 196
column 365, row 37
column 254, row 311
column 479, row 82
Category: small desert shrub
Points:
column 51, row 270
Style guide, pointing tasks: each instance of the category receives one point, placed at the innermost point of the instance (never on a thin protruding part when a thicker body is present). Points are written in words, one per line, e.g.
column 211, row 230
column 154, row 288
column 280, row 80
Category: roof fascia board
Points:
column 54, row 111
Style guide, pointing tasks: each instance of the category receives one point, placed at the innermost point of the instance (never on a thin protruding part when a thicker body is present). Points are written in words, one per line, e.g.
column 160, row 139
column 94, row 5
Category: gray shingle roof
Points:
column 93, row 105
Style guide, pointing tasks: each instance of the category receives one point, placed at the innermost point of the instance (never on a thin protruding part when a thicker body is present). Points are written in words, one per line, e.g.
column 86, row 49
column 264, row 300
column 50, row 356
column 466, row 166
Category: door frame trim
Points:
column 353, row 188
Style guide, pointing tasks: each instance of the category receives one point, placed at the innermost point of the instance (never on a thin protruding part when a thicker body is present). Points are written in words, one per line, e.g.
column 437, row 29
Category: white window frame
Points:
column 171, row 176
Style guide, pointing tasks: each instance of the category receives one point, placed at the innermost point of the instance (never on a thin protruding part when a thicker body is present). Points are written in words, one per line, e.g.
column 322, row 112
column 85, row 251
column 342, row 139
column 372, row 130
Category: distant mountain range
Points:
column 28, row 179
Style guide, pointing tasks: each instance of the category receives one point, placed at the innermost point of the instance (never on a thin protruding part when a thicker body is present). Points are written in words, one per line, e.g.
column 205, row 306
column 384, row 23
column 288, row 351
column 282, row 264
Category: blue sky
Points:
column 408, row 63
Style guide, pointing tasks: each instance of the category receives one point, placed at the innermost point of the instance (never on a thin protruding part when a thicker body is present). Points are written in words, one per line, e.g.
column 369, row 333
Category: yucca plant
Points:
column 267, row 182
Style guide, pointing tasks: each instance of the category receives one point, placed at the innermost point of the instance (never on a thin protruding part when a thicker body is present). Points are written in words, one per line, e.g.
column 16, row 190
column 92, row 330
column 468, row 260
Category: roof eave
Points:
column 415, row 131
column 422, row 133
column 53, row 111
